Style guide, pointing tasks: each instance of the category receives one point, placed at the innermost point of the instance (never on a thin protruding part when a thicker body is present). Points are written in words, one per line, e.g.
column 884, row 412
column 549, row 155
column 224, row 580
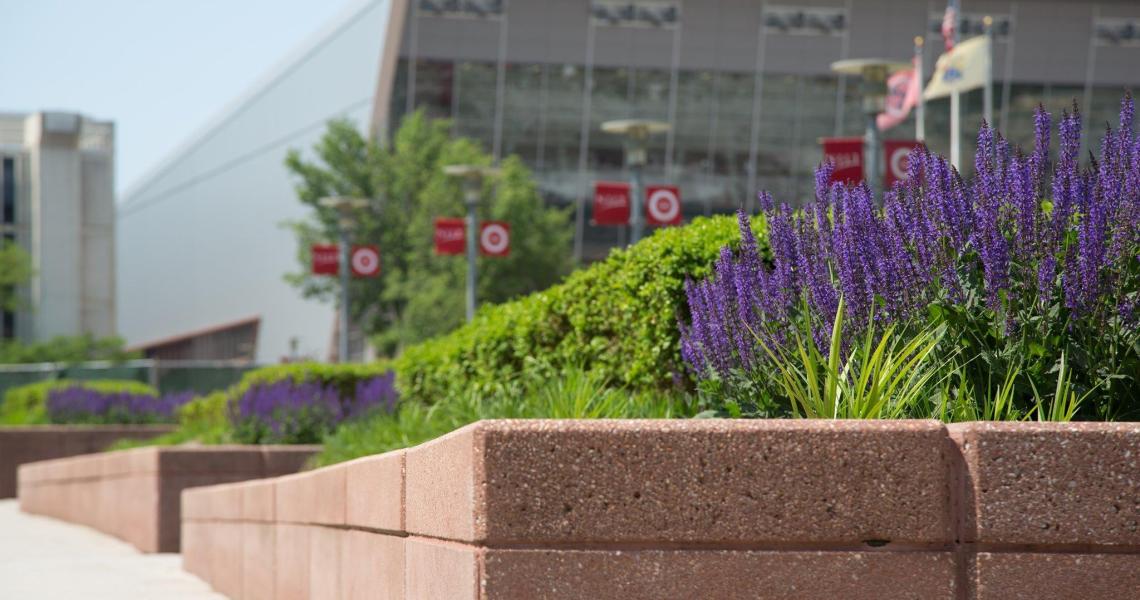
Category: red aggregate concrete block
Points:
column 197, row 546
column 330, row 489
column 34, row 443
column 226, row 558
column 295, row 498
column 679, row 481
column 325, row 546
column 258, row 561
column 291, row 562
column 440, row 569
column 259, row 500
column 443, row 493
column 375, row 492
column 1051, row 483
column 216, row 502
column 1047, row 576
column 372, row 566
column 702, row 574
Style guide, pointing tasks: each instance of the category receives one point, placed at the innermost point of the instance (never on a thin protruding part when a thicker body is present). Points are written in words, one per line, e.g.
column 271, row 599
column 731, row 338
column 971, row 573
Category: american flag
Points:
column 950, row 23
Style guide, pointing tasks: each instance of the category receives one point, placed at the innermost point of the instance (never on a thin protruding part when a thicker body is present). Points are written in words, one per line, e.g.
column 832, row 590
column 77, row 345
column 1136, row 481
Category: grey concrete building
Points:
column 57, row 190
column 745, row 85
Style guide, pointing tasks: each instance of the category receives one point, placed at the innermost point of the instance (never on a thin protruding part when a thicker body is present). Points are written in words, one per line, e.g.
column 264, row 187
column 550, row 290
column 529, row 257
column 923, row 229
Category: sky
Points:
column 160, row 69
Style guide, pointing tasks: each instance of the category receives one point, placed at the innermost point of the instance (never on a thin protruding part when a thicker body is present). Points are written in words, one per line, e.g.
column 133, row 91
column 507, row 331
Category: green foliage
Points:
column 884, row 376
column 343, row 376
column 418, row 294
column 15, row 271
column 618, row 317
column 200, row 421
column 571, row 394
column 65, row 349
column 27, row 404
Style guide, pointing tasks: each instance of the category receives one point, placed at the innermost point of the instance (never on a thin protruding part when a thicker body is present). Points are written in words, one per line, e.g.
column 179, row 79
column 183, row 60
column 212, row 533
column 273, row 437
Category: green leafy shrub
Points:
column 618, row 316
column 27, row 404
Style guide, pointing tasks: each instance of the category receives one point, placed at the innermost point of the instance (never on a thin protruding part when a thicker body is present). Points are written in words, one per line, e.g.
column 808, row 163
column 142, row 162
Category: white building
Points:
column 57, row 193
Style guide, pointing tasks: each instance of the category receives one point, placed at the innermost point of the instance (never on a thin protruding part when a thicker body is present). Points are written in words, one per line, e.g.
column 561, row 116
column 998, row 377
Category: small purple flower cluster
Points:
column 300, row 412
column 80, row 404
column 935, row 239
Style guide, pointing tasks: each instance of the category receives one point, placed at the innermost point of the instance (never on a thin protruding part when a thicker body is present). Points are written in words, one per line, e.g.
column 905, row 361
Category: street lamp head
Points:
column 345, row 206
column 635, row 128
column 472, row 178
column 874, row 72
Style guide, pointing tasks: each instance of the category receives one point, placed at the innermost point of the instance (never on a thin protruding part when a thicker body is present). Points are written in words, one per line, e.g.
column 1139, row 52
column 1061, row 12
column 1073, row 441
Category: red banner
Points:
column 847, row 154
column 495, row 238
column 663, row 204
column 326, row 259
column 896, row 153
column 611, row 203
column 450, row 236
column 365, row 261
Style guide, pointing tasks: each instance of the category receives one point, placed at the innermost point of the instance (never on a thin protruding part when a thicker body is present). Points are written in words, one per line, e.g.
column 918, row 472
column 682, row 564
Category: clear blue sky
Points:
column 158, row 68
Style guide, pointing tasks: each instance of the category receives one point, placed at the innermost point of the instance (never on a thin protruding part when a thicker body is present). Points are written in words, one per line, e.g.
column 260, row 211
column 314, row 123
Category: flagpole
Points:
column 920, row 108
column 989, row 89
column 955, row 101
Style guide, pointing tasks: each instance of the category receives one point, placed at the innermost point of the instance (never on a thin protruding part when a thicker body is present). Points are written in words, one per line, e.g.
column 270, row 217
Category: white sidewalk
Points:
column 49, row 559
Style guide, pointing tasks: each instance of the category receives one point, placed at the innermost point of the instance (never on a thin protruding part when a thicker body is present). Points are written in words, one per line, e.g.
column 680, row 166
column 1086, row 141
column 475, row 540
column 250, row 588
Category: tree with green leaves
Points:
column 15, row 271
column 418, row 294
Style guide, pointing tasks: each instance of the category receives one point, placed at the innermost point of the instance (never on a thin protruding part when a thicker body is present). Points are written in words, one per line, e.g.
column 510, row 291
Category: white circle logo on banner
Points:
column 664, row 206
column 495, row 239
column 899, row 162
column 365, row 261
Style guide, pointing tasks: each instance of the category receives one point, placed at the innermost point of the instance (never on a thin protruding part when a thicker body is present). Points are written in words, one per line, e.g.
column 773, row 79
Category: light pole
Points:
column 635, row 133
column 345, row 207
column 471, row 177
column 874, row 73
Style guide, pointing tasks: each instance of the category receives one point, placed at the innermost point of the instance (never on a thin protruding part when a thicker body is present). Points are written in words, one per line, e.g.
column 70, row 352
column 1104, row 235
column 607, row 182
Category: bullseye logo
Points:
column 898, row 162
column 495, row 238
column 365, row 261
column 663, row 204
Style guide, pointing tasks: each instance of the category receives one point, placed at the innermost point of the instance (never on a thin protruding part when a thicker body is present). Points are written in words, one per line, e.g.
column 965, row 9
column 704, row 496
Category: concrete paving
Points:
column 46, row 559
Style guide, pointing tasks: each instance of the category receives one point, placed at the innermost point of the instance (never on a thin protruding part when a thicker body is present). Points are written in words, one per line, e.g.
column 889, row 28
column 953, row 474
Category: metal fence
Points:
column 168, row 376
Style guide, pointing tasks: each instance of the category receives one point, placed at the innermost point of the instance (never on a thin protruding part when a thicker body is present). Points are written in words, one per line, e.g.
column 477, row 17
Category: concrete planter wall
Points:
column 135, row 495
column 19, row 445
column 692, row 509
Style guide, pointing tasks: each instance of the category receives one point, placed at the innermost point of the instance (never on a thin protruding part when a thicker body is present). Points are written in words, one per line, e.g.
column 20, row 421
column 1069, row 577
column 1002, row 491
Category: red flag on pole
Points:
column 663, row 204
column 897, row 154
column 326, row 259
column 495, row 238
column 365, row 261
column 450, row 236
column 847, row 154
column 903, row 92
column 950, row 24
column 611, row 203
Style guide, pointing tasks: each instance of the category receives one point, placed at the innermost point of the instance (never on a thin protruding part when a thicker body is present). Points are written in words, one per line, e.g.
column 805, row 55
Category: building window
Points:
column 8, row 191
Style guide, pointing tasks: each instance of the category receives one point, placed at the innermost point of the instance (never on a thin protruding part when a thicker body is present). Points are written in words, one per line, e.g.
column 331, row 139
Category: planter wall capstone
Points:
column 692, row 509
column 136, row 494
column 32, row 443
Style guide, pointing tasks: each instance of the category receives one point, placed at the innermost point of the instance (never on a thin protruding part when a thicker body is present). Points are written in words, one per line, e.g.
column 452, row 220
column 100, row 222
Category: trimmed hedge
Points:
column 617, row 318
column 27, row 404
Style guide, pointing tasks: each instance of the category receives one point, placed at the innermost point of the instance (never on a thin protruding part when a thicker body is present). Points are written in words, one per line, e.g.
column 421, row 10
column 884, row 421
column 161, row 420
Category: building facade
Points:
column 57, row 188
column 745, row 84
